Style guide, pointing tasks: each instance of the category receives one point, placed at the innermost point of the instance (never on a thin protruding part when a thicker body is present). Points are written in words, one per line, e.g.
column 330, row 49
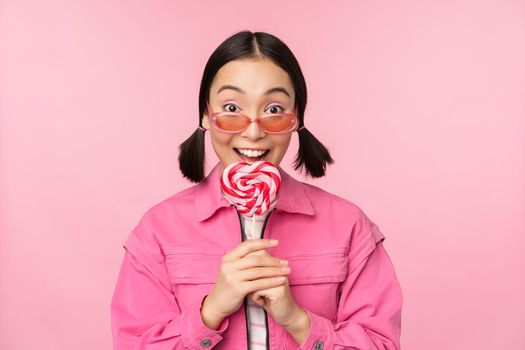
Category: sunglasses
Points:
column 231, row 122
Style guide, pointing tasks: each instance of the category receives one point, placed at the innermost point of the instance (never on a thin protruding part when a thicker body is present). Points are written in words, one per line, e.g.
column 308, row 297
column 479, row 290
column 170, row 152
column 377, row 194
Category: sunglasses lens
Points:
column 236, row 122
column 231, row 122
column 277, row 123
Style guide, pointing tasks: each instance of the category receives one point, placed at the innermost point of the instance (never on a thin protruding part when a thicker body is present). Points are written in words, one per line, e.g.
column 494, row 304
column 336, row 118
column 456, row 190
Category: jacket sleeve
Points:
column 145, row 314
column 369, row 312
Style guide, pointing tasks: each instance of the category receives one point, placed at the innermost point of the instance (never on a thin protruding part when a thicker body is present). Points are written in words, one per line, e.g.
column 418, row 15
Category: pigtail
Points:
column 312, row 154
column 191, row 156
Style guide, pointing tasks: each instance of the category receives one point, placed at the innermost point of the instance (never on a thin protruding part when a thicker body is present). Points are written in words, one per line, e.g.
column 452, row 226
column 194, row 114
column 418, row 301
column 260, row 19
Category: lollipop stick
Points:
column 253, row 226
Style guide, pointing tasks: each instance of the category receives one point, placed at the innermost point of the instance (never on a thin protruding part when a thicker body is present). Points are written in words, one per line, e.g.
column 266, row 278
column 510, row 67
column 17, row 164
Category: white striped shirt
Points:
column 256, row 316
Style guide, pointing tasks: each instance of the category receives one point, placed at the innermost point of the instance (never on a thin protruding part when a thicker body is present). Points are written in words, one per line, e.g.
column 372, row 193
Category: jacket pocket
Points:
column 192, row 272
column 316, row 277
column 318, row 265
column 193, row 265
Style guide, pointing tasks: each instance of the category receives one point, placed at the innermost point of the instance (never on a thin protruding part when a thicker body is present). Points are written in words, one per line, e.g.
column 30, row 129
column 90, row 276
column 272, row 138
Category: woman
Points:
column 190, row 278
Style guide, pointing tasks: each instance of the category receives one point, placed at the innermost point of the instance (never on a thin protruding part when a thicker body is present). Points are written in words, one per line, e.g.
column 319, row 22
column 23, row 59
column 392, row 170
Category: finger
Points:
column 261, row 252
column 258, row 252
column 257, row 298
column 262, row 272
column 250, row 245
column 263, row 283
column 259, row 261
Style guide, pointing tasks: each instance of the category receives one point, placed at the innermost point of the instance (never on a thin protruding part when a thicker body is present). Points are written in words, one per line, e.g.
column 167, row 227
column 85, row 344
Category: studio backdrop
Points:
column 421, row 104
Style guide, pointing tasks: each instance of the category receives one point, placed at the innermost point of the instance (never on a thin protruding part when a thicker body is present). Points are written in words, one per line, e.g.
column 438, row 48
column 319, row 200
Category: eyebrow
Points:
column 268, row 92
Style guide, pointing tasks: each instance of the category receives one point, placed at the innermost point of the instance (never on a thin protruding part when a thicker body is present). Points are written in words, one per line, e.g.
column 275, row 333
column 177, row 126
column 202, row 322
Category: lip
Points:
column 252, row 149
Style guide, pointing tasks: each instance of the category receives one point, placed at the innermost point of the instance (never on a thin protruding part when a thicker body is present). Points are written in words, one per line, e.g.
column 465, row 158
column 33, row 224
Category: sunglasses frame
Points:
column 213, row 118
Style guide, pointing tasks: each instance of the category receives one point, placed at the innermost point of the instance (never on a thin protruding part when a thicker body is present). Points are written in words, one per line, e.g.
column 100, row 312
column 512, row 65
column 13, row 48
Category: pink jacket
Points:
column 340, row 272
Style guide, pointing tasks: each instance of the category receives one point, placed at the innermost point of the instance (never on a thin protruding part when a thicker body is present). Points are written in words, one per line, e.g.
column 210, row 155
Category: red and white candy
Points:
column 252, row 188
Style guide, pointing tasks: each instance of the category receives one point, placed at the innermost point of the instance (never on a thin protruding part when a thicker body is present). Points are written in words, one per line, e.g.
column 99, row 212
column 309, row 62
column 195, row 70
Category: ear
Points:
column 206, row 121
column 296, row 110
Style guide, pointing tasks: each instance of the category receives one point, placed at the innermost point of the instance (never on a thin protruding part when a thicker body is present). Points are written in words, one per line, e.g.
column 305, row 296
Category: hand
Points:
column 277, row 301
column 240, row 274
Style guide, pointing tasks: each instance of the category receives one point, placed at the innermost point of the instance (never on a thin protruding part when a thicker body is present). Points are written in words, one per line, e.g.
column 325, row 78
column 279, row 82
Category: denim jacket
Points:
column 340, row 275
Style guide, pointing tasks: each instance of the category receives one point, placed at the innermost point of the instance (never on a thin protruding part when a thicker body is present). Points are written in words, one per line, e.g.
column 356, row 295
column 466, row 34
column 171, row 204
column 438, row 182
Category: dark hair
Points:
column 312, row 154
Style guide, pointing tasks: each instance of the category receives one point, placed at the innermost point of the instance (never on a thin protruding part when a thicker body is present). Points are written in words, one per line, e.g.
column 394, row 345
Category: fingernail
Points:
column 274, row 241
column 285, row 269
column 284, row 262
column 280, row 279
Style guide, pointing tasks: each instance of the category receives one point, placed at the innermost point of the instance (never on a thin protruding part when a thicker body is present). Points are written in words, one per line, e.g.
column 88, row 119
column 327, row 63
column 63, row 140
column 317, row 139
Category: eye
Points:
column 275, row 109
column 230, row 107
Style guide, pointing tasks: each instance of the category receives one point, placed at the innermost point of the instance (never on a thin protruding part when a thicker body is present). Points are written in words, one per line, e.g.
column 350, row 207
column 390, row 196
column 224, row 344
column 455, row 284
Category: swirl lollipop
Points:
column 252, row 188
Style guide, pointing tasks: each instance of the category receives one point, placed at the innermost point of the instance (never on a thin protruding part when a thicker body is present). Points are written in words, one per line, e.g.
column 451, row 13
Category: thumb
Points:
column 257, row 298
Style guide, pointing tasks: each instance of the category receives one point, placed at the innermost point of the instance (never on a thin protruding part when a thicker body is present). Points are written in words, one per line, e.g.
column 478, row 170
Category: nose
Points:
column 253, row 131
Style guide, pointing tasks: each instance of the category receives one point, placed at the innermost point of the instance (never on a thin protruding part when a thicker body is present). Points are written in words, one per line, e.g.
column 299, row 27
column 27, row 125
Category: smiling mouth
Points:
column 251, row 156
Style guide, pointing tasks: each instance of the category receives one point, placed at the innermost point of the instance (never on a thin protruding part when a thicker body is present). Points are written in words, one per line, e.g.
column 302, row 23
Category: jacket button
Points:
column 205, row 343
column 318, row 345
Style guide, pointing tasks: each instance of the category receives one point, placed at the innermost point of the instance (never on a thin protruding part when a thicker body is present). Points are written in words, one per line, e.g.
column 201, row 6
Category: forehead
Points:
column 253, row 76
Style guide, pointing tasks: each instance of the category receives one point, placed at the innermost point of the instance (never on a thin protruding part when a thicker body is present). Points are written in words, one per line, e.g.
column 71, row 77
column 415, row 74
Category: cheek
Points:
column 281, row 142
column 280, row 146
column 220, row 139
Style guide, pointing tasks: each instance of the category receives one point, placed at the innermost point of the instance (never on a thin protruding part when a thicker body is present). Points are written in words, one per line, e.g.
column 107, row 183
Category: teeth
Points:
column 251, row 153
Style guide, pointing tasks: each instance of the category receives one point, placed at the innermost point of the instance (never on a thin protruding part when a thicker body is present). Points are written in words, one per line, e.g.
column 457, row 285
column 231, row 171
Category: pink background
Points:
column 422, row 104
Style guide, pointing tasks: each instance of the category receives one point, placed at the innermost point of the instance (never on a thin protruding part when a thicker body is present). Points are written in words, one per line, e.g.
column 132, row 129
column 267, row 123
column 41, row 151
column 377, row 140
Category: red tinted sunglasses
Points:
column 232, row 122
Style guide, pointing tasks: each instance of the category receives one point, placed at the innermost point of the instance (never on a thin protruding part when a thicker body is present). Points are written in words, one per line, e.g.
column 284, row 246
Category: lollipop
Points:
column 252, row 188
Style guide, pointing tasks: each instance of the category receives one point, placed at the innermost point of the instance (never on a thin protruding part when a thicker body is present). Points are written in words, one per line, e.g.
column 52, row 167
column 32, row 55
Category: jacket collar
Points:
column 291, row 197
